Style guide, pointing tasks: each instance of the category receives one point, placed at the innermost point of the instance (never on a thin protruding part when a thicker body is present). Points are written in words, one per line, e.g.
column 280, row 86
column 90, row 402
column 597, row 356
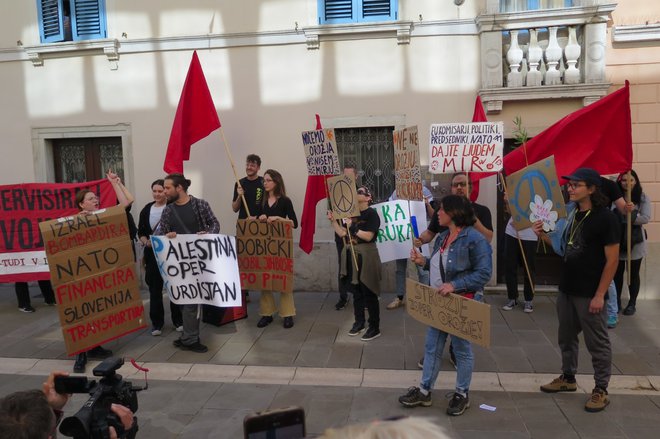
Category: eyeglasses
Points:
column 573, row 185
column 459, row 184
column 361, row 192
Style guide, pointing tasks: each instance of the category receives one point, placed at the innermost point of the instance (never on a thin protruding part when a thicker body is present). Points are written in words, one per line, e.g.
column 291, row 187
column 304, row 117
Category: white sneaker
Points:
column 509, row 305
column 396, row 303
column 528, row 306
column 156, row 332
column 179, row 328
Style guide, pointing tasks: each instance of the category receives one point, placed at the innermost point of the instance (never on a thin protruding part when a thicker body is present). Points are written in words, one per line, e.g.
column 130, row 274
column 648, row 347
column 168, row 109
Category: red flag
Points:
column 315, row 192
column 479, row 115
column 598, row 136
column 195, row 118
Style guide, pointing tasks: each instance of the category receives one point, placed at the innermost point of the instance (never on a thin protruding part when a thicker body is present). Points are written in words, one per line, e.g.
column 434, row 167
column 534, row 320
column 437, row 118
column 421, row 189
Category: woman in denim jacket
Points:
column 460, row 263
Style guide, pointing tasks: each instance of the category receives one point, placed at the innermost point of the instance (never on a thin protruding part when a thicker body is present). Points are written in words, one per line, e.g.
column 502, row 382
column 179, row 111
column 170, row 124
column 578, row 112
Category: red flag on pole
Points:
column 314, row 193
column 479, row 115
column 195, row 118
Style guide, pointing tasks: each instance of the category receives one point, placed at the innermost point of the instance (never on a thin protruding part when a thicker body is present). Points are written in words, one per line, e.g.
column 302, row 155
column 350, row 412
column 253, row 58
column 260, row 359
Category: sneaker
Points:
column 612, row 321
column 177, row 343
column 81, row 362
column 396, row 303
column 26, row 309
column 288, row 322
column 356, row 329
column 195, row 347
column 457, row 404
column 156, row 332
column 179, row 328
column 528, row 306
column 598, row 401
column 560, row 384
column 264, row 321
column 341, row 304
column 510, row 305
column 415, row 397
column 630, row 310
column 420, row 363
column 51, row 303
column 99, row 353
column 371, row 334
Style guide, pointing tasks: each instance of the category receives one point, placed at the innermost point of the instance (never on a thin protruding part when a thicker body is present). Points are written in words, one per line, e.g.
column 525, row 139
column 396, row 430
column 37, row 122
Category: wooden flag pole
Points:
column 233, row 168
column 348, row 235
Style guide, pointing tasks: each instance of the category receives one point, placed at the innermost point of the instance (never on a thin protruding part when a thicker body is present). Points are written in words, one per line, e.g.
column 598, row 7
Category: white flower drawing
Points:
column 542, row 210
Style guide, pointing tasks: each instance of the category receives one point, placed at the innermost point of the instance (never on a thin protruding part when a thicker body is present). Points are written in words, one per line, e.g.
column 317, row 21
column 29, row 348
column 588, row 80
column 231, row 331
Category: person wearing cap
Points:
column 362, row 231
column 588, row 241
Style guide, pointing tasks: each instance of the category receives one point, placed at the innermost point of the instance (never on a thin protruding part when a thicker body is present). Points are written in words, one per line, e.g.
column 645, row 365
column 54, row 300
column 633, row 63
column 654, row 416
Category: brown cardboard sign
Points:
column 321, row 152
column 534, row 192
column 265, row 255
column 456, row 315
column 94, row 277
column 343, row 196
column 407, row 171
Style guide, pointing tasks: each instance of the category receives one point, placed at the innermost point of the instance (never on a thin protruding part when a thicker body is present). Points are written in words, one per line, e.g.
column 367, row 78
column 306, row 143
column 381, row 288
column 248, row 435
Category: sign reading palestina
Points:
column 93, row 273
column 399, row 221
column 321, row 152
column 456, row 315
column 534, row 194
column 466, row 147
column 343, row 196
column 199, row 269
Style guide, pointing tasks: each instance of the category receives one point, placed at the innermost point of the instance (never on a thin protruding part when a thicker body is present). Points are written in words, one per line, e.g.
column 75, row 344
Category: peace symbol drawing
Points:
column 343, row 196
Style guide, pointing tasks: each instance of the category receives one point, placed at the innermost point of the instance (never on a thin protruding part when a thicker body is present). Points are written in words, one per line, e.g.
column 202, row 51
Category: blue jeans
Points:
column 401, row 270
column 612, row 307
column 434, row 345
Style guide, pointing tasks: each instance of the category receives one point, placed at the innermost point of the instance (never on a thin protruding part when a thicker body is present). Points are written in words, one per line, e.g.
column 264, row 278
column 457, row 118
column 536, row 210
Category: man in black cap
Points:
column 589, row 244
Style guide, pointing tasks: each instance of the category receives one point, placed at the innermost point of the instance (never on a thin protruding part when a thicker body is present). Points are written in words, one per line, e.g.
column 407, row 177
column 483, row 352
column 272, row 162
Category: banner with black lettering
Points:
column 22, row 208
column 199, row 269
column 94, row 277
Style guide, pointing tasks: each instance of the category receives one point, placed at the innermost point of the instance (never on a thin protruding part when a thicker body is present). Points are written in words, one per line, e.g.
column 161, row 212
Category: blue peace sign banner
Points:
column 523, row 187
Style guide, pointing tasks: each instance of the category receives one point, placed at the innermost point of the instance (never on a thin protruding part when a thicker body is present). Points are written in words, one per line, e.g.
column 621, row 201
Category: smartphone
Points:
column 283, row 423
column 75, row 384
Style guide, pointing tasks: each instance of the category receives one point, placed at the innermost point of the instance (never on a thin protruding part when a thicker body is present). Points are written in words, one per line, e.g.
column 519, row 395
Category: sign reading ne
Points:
column 93, row 275
column 456, row 315
column 22, row 208
column 468, row 147
column 343, row 196
column 199, row 269
column 407, row 171
column 395, row 235
column 321, row 152
column 265, row 255
column 534, row 192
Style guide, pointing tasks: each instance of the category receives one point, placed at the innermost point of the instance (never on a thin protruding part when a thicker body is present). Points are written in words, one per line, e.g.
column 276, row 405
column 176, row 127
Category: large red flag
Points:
column 314, row 193
column 598, row 136
column 195, row 118
column 479, row 115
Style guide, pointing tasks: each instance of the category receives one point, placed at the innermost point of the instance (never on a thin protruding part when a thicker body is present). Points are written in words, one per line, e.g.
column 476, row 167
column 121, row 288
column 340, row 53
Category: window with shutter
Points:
column 355, row 11
column 71, row 20
column 531, row 5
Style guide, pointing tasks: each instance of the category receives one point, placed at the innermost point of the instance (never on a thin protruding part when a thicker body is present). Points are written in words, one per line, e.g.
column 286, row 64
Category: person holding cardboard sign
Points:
column 276, row 206
column 461, row 263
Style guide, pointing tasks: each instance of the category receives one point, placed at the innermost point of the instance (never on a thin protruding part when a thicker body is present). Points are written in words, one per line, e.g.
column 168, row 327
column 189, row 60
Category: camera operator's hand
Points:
column 56, row 400
column 125, row 415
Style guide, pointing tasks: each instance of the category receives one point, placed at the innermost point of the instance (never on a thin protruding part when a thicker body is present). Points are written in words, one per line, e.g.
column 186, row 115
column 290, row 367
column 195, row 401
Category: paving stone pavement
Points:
column 340, row 379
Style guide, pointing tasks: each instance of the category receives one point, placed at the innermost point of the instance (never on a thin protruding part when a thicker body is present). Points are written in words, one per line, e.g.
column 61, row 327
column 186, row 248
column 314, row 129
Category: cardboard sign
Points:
column 395, row 235
column 407, row 170
column 265, row 255
column 199, row 269
column 535, row 192
column 94, row 277
column 321, row 152
column 343, row 196
column 468, row 147
column 22, row 208
column 456, row 315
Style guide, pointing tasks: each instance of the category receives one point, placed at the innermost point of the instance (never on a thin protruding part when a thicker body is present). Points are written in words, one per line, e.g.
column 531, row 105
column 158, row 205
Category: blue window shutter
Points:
column 51, row 20
column 88, row 19
column 378, row 10
column 337, row 11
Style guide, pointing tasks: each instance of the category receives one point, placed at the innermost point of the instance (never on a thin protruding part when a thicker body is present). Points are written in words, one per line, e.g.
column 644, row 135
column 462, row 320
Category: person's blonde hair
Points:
column 405, row 428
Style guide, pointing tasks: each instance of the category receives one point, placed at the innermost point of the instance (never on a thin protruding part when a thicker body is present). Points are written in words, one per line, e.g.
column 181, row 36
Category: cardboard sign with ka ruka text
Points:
column 456, row 315
column 265, row 255
column 92, row 269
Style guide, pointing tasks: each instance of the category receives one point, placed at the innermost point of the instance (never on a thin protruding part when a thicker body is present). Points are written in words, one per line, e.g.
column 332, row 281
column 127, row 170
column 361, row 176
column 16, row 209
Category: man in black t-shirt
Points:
column 252, row 189
column 589, row 244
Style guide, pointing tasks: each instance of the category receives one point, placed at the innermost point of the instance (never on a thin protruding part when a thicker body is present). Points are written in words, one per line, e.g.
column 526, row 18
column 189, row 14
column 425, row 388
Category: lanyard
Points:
column 575, row 228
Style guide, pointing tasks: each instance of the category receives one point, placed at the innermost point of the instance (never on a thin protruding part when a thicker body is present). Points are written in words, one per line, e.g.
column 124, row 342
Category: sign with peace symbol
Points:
column 343, row 196
column 534, row 189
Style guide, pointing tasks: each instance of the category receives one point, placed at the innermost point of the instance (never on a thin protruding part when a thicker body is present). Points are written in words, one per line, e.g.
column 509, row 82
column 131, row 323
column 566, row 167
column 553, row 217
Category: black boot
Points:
column 81, row 362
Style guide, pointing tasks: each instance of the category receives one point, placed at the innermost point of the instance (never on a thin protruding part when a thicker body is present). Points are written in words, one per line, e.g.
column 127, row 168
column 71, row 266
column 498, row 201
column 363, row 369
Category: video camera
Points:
column 95, row 417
